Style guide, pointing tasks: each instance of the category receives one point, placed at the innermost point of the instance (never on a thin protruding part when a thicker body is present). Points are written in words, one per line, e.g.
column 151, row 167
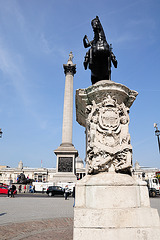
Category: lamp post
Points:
column 157, row 133
column 1, row 132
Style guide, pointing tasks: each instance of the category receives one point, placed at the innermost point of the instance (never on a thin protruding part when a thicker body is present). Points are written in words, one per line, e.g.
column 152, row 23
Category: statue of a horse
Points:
column 100, row 55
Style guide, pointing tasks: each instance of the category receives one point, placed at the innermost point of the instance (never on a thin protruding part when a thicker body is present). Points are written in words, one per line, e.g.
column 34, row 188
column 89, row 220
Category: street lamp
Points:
column 157, row 133
column 1, row 132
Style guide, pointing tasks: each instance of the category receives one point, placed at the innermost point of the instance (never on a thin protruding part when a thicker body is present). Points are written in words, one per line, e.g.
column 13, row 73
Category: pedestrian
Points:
column 20, row 188
column 30, row 188
column 12, row 190
column 66, row 192
column 73, row 194
column 34, row 189
column 9, row 188
column 24, row 188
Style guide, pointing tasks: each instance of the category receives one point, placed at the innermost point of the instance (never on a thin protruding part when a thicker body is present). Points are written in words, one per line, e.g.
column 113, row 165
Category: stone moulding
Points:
column 99, row 90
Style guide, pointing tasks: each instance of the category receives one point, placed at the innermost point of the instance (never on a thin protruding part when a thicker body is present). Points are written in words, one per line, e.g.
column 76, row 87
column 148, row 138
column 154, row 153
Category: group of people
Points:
column 12, row 188
column 31, row 189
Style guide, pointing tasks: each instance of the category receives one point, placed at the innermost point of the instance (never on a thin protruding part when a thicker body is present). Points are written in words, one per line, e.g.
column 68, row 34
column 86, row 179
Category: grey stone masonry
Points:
column 70, row 70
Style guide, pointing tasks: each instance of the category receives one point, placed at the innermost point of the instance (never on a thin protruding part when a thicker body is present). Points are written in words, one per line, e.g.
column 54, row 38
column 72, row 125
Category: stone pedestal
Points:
column 114, row 206
column 110, row 204
column 65, row 169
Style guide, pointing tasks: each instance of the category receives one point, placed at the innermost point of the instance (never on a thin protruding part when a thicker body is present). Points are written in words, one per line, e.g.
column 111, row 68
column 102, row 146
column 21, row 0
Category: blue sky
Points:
column 36, row 37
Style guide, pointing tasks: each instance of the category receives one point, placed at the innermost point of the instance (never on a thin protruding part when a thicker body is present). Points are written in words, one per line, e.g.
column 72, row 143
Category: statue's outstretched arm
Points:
column 85, row 43
column 114, row 60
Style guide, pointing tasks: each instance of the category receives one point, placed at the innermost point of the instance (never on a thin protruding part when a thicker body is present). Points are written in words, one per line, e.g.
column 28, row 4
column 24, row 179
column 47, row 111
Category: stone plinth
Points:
column 110, row 204
column 114, row 206
column 65, row 169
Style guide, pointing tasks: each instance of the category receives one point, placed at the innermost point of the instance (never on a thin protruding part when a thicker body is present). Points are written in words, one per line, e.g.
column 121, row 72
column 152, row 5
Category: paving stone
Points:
column 55, row 229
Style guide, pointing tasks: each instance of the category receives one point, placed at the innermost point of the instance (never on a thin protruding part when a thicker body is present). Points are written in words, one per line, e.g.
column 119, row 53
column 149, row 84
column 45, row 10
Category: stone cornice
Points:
column 69, row 69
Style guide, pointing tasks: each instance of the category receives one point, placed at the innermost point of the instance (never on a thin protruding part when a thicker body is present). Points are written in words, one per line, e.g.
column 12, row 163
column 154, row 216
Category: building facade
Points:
column 10, row 175
column 143, row 173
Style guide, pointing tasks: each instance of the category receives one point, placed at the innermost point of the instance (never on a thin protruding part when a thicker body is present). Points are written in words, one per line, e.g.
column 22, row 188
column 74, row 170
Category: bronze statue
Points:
column 23, row 180
column 100, row 55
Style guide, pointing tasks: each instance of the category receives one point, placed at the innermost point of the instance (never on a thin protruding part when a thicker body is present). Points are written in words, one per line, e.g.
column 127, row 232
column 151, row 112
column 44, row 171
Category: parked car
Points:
column 4, row 190
column 55, row 190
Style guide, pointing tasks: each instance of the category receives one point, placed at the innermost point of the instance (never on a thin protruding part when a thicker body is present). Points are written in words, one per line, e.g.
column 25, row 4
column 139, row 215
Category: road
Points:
column 155, row 203
column 29, row 206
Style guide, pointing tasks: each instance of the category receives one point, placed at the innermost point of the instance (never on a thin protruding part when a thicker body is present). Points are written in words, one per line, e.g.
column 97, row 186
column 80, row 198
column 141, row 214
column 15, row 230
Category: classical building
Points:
column 143, row 173
column 9, row 175
column 80, row 170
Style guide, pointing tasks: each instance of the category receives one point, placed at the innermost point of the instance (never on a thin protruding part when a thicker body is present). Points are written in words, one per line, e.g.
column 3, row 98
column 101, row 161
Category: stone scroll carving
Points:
column 108, row 139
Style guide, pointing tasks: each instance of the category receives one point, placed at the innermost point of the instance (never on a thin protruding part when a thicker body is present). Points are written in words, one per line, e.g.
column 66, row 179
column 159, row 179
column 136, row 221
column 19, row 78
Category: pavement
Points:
column 36, row 218
column 56, row 229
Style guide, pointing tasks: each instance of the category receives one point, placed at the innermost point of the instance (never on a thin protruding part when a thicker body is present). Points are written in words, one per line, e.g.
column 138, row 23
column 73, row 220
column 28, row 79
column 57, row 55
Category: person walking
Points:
column 30, row 188
column 24, row 188
column 9, row 188
column 12, row 190
column 66, row 192
column 20, row 188
column 73, row 194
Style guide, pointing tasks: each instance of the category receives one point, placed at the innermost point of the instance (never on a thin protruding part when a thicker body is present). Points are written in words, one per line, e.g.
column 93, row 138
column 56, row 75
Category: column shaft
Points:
column 68, row 110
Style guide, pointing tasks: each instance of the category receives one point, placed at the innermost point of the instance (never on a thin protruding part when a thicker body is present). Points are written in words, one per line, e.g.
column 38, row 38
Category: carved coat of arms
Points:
column 109, row 147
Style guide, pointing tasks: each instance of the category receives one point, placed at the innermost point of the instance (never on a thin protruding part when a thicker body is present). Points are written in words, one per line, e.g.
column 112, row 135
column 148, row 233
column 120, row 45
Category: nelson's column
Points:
column 66, row 152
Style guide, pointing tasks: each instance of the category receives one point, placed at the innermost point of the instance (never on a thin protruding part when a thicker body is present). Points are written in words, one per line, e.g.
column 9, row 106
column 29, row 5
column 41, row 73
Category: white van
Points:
column 42, row 187
column 153, row 187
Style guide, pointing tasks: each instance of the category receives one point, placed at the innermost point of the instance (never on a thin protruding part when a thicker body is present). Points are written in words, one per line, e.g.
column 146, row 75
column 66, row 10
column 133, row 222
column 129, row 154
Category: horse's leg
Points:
column 91, row 55
column 109, row 68
column 86, row 60
column 93, row 79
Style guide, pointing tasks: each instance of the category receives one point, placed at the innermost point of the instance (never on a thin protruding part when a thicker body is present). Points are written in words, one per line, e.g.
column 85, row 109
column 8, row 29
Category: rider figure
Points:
column 100, row 50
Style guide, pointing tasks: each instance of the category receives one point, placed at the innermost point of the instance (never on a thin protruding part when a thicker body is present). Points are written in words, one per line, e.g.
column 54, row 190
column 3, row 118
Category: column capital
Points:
column 69, row 69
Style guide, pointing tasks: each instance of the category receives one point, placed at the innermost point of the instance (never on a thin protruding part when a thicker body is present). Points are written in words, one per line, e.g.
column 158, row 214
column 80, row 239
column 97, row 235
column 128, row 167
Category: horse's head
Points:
column 96, row 25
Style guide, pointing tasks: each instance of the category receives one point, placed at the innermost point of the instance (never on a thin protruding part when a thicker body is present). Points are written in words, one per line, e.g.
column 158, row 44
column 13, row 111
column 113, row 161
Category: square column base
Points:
column 114, row 206
column 64, row 178
column 65, row 170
